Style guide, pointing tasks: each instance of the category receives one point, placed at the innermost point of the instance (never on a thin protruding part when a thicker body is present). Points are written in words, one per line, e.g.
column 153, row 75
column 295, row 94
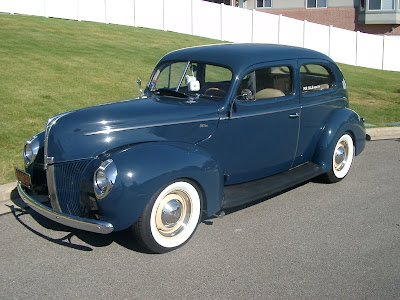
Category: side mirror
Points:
column 194, row 86
column 192, row 83
column 139, row 82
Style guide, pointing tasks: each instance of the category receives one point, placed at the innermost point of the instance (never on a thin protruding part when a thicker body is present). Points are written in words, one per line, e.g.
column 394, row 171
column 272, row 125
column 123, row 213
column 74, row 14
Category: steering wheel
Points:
column 214, row 91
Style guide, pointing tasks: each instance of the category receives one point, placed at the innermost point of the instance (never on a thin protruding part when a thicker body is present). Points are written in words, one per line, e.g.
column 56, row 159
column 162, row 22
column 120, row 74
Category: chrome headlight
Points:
column 31, row 149
column 104, row 178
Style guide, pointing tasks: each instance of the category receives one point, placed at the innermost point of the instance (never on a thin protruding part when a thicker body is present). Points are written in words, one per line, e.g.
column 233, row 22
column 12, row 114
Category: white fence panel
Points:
column 64, row 9
column 391, row 53
column 236, row 24
column 265, row 28
column 316, row 37
column 343, row 46
column 28, row 7
column 369, row 50
column 120, row 12
column 207, row 19
column 225, row 23
column 92, row 10
column 7, row 6
column 178, row 16
column 149, row 14
column 291, row 31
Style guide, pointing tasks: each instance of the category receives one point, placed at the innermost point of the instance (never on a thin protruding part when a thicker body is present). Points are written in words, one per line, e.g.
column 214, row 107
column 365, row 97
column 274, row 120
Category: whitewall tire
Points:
column 170, row 218
column 342, row 157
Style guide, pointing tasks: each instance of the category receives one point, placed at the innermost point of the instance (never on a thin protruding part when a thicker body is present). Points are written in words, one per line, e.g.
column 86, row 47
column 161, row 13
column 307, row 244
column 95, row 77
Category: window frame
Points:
column 316, row 5
column 380, row 6
column 263, row 4
column 252, row 72
column 330, row 71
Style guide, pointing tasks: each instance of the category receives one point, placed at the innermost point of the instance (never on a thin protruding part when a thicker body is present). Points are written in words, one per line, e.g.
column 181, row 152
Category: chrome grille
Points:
column 67, row 181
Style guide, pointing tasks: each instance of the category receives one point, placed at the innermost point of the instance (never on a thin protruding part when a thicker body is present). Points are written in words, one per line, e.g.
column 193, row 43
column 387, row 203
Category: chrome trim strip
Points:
column 109, row 130
column 51, row 186
column 248, row 115
column 68, row 220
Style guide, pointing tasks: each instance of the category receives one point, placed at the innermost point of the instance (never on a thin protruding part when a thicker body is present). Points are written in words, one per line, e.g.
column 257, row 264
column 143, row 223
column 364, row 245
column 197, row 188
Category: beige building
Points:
column 370, row 16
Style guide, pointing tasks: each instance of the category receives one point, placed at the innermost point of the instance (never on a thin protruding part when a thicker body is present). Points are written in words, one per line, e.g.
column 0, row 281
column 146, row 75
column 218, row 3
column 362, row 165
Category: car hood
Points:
column 92, row 131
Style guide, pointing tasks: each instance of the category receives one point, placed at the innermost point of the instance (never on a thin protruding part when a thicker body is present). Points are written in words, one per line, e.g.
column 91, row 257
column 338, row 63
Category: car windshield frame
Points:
column 204, row 79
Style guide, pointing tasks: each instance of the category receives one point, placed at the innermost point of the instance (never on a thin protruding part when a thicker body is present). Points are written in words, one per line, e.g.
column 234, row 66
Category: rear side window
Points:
column 264, row 83
column 314, row 77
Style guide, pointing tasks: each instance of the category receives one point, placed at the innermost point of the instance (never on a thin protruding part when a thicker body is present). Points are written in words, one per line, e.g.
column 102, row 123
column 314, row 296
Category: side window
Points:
column 265, row 83
column 315, row 77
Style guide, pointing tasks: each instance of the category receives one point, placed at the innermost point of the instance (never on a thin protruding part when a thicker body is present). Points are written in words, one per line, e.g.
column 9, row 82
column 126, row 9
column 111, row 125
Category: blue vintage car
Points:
column 216, row 127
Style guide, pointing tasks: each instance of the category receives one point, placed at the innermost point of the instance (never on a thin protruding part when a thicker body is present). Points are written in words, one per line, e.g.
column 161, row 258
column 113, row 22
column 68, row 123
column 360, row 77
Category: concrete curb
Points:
column 385, row 133
column 9, row 195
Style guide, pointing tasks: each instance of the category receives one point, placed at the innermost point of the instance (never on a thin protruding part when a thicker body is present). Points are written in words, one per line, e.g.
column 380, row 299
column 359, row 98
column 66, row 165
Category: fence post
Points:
column 221, row 19
column 252, row 25
column 304, row 32
column 191, row 17
column 330, row 36
column 134, row 13
column 44, row 9
column 279, row 29
column 105, row 11
column 383, row 51
column 163, row 15
column 78, row 17
column 357, row 37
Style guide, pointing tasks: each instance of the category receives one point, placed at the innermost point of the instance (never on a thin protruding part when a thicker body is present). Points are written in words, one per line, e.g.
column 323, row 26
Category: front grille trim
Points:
column 68, row 178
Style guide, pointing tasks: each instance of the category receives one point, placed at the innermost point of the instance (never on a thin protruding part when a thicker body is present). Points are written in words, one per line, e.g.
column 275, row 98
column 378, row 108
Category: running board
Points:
column 243, row 193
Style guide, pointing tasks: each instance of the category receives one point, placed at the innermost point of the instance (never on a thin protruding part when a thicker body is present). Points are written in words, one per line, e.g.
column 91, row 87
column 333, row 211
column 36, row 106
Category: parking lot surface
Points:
column 336, row 241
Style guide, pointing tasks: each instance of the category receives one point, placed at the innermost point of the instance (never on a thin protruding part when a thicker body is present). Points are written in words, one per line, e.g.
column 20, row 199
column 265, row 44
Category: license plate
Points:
column 23, row 177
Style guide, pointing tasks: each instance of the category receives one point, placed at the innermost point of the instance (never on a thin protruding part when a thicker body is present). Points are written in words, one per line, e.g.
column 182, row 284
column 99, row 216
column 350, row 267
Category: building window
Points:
column 264, row 3
column 316, row 3
column 381, row 4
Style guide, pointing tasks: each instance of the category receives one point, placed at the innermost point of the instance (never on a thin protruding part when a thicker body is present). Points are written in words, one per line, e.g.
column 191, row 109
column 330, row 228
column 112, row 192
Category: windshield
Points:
column 183, row 79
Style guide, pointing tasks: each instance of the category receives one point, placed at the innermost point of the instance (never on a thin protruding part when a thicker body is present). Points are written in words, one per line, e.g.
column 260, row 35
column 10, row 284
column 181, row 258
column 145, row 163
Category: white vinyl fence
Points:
column 223, row 22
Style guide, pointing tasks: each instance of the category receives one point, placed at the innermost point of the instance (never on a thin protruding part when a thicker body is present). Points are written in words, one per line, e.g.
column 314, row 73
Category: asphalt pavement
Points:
column 316, row 241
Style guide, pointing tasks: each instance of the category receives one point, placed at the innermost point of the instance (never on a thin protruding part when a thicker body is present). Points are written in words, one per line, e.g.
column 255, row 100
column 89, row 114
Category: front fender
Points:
column 343, row 120
column 144, row 168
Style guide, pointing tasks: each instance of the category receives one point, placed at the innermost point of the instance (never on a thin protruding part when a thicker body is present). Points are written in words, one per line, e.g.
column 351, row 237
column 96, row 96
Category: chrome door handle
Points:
column 296, row 115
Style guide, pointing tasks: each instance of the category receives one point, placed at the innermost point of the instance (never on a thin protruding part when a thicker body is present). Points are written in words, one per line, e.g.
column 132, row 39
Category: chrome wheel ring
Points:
column 173, row 213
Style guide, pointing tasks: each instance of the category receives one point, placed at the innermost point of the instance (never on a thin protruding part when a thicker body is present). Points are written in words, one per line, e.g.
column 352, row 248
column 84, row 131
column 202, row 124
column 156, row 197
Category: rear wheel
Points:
column 341, row 159
column 170, row 218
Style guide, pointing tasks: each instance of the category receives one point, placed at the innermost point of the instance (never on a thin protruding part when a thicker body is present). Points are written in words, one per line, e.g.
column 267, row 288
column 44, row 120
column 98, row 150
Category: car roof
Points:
column 240, row 56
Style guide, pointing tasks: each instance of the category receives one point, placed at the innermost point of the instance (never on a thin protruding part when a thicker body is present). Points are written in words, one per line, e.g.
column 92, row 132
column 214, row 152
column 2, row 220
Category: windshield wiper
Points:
column 168, row 92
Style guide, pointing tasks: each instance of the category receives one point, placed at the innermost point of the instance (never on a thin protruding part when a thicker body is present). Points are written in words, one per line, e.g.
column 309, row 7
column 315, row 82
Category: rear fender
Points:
column 144, row 168
column 341, row 121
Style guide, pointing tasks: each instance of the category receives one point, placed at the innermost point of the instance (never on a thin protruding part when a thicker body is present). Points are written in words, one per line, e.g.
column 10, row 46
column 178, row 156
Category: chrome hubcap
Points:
column 173, row 213
column 341, row 154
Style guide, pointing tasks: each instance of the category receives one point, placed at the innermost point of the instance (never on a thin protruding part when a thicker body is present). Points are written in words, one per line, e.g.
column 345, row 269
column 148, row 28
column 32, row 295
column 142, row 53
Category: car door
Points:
column 321, row 93
column 259, row 138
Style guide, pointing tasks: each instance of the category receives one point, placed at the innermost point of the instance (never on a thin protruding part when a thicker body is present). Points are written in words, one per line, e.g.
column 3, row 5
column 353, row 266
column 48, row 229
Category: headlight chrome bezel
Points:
column 31, row 150
column 104, row 178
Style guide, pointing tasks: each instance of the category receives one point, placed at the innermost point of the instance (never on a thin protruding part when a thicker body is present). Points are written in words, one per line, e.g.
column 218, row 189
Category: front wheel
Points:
column 170, row 218
column 342, row 158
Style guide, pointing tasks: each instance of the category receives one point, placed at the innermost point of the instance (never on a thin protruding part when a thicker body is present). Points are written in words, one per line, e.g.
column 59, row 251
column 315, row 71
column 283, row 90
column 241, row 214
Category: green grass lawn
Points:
column 48, row 66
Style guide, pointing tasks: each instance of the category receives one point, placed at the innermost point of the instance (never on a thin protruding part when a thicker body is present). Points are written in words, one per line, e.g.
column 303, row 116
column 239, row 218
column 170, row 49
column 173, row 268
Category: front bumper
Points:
column 68, row 220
